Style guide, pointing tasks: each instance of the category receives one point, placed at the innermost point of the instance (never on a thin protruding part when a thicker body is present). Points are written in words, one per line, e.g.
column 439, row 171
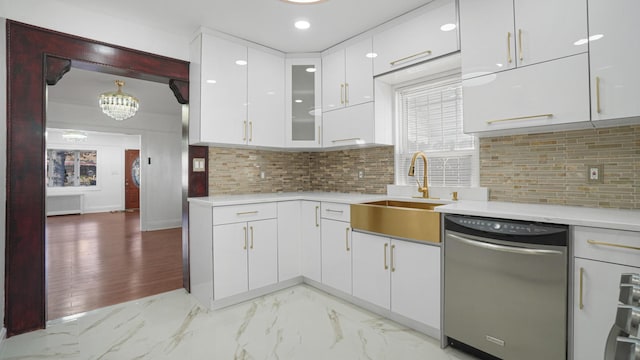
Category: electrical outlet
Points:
column 360, row 174
column 262, row 175
column 595, row 173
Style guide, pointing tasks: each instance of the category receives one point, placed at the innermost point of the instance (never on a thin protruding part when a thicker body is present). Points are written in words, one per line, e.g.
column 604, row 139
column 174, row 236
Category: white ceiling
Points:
column 267, row 22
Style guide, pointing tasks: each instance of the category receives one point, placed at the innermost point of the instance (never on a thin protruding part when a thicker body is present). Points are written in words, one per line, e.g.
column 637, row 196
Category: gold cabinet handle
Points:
column 386, row 267
column 246, row 213
column 245, row 238
column 251, row 229
column 346, row 239
column 244, row 131
column 423, row 53
column 393, row 267
column 335, row 211
column 317, row 209
column 598, row 108
column 346, row 93
column 581, row 305
column 319, row 139
column 250, row 130
column 509, row 59
column 520, row 44
column 343, row 140
column 342, row 94
column 594, row 242
column 489, row 122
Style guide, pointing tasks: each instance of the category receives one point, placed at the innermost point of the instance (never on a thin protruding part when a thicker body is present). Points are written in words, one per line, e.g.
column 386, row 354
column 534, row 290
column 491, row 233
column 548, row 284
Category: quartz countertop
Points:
column 556, row 214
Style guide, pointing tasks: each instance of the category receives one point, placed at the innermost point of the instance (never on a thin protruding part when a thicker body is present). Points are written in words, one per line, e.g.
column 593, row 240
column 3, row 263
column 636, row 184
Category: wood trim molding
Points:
column 27, row 71
column 180, row 90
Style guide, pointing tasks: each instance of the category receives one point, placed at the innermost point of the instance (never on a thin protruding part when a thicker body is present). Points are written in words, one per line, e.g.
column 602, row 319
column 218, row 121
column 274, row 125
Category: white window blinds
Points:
column 430, row 120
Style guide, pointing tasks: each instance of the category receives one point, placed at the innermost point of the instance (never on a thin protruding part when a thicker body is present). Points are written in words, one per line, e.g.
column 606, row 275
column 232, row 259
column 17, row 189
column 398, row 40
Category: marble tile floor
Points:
column 296, row 323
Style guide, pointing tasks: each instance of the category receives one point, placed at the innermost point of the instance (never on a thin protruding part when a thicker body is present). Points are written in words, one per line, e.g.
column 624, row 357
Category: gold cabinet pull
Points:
column 319, row 139
column 250, row 130
column 489, row 122
column 251, row 229
column 509, row 59
column 393, row 267
column 346, row 240
column 245, row 238
column 598, row 108
column 343, row 140
column 594, row 242
column 246, row 213
column 346, row 93
column 581, row 287
column 317, row 209
column 342, row 94
column 386, row 267
column 520, row 45
column 244, row 130
column 423, row 53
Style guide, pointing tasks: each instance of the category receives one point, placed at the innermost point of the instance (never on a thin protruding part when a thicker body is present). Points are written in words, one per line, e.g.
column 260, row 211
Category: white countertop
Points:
column 557, row 214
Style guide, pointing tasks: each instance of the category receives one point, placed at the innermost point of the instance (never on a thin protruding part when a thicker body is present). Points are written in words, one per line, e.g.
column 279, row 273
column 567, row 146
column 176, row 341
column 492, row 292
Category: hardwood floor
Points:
column 96, row 260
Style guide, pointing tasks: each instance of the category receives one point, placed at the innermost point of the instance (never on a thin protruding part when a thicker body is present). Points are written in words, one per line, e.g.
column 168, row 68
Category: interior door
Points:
column 132, row 179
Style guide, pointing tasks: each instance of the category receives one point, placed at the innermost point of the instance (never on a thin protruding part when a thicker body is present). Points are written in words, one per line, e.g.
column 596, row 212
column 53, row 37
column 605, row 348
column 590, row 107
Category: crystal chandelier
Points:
column 118, row 105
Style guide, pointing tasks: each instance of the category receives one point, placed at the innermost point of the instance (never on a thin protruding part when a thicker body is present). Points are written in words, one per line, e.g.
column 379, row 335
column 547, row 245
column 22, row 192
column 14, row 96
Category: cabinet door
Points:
column 311, row 249
column 336, row 255
column 263, row 253
column 333, row 85
column 349, row 126
column 230, row 276
column 551, row 93
column 371, row 272
column 399, row 46
column 289, row 235
column 266, row 99
column 359, row 73
column 200, row 252
column 614, row 53
column 303, row 88
column 549, row 29
column 600, row 289
column 415, row 281
column 223, row 99
column 487, row 46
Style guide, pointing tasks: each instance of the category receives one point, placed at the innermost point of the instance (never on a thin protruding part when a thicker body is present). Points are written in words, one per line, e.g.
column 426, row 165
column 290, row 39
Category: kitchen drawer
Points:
column 336, row 211
column 615, row 246
column 242, row 213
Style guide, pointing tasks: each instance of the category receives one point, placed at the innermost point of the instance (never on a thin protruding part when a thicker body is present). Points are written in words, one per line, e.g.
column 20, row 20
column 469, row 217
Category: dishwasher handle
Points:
column 510, row 249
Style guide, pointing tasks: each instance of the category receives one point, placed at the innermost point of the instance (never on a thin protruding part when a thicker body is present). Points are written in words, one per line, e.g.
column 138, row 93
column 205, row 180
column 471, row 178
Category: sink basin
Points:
column 402, row 219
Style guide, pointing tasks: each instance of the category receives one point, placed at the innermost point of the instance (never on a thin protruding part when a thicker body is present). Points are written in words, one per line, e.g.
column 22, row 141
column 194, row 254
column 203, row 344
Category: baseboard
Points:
column 163, row 224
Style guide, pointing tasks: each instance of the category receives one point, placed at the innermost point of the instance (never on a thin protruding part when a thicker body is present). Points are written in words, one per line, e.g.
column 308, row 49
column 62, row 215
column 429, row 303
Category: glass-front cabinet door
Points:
column 303, row 104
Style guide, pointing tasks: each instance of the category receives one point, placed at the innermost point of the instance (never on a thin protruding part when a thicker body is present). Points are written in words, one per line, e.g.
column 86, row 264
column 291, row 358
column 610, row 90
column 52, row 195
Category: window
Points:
column 67, row 168
column 429, row 119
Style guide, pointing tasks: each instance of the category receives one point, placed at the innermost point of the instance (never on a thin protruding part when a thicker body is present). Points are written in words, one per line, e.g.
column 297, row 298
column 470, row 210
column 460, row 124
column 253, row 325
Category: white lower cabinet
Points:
column 310, row 241
column 398, row 275
column 244, row 257
column 336, row 254
column 289, row 235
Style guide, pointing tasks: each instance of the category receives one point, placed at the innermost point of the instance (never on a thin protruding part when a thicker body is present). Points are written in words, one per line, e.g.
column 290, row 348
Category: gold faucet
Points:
column 424, row 189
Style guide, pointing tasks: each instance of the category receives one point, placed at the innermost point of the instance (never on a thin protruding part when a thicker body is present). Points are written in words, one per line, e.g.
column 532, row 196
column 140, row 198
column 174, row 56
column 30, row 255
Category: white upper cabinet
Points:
column 266, row 99
column 236, row 94
column 549, row 94
column 614, row 50
column 347, row 76
column 303, row 119
column 428, row 33
column 498, row 35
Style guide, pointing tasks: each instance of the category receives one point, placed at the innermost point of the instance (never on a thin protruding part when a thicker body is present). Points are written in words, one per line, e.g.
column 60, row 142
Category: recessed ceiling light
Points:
column 241, row 62
column 303, row 2
column 298, row 101
column 371, row 55
column 211, row 81
column 302, row 24
column 310, row 69
column 448, row 27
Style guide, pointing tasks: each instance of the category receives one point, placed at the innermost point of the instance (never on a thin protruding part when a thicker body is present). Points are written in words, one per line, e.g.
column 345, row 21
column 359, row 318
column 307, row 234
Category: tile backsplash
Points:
column 552, row 168
column 238, row 171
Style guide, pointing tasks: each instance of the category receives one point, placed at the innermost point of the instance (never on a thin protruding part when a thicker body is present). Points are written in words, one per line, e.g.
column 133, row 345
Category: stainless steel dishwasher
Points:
column 505, row 288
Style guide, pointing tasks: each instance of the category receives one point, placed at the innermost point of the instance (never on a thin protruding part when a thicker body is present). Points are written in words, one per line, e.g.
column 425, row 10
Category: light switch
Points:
column 198, row 165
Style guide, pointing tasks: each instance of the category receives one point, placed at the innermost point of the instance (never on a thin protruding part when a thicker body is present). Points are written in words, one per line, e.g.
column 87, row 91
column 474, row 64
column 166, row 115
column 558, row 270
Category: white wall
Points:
column 3, row 159
column 60, row 16
column 108, row 194
column 161, row 181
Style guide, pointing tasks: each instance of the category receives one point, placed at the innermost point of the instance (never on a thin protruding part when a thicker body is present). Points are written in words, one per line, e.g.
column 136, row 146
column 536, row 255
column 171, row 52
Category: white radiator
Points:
column 63, row 204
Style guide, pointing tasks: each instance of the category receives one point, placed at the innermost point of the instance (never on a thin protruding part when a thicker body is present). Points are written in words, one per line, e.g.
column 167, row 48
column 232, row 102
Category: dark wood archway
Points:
column 35, row 57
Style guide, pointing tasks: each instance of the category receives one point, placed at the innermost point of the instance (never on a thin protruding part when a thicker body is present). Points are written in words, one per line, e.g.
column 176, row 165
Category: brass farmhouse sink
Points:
column 401, row 219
